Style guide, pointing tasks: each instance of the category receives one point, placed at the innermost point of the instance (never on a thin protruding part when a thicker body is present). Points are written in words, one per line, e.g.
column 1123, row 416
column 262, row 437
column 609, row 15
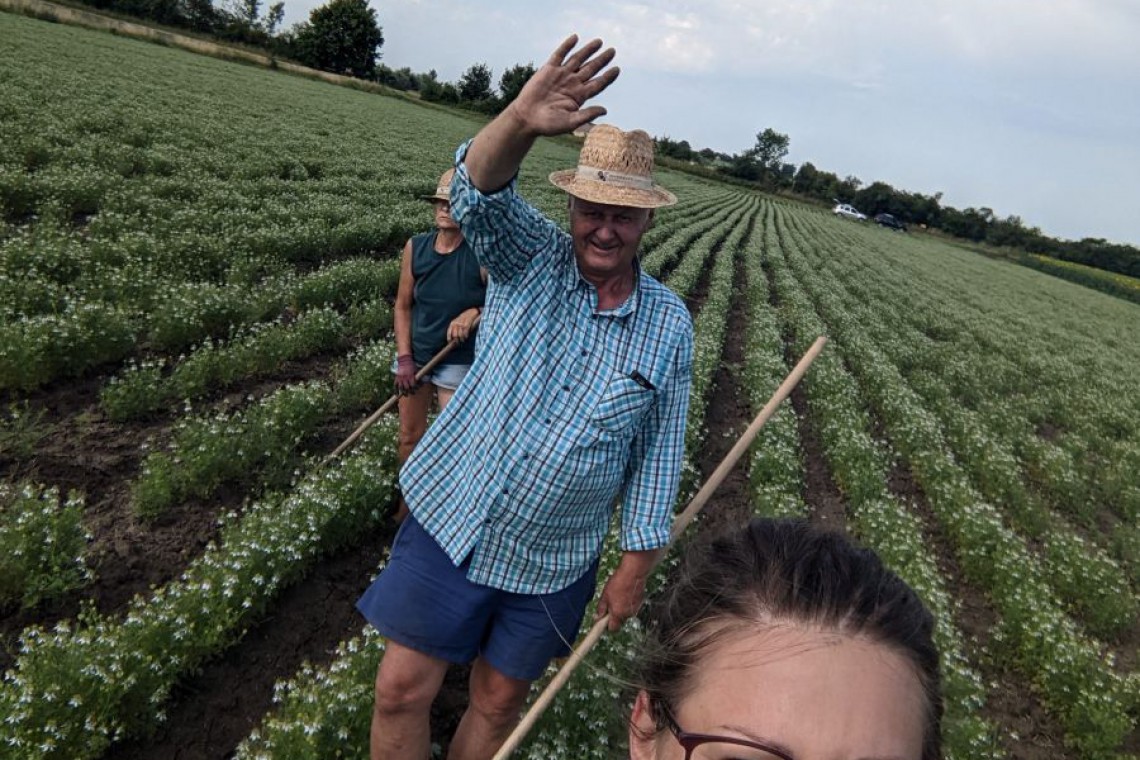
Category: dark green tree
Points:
column 475, row 84
column 770, row 149
column 679, row 149
column 512, row 81
column 273, row 18
column 745, row 166
column 248, row 11
column 435, row 91
column 342, row 36
column 201, row 16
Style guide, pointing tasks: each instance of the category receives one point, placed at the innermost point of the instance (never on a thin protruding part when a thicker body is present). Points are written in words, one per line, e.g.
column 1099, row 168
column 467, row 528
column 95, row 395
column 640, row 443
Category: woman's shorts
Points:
column 443, row 375
column 426, row 603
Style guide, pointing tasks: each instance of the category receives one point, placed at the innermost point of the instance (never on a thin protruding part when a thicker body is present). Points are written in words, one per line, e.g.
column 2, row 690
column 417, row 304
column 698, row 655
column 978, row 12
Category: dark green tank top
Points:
column 447, row 284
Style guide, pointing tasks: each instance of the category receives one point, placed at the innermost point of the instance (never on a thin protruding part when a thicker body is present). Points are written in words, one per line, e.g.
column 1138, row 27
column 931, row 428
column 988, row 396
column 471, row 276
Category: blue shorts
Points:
column 443, row 375
column 426, row 603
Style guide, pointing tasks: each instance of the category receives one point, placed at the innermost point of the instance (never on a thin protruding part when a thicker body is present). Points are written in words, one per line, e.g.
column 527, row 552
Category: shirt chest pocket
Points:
column 622, row 406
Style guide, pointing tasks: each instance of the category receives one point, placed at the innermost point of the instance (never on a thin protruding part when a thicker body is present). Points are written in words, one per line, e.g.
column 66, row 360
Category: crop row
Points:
column 1083, row 575
column 680, row 242
column 1068, row 379
column 1071, row 672
column 42, row 544
column 859, row 466
column 151, row 212
column 83, row 334
column 1002, row 449
column 260, row 443
column 775, row 470
column 672, row 219
column 144, row 387
column 78, row 688
column 712, row 321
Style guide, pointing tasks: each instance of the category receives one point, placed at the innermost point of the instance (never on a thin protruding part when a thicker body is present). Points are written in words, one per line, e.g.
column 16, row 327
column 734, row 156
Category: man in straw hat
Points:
column 577, row 398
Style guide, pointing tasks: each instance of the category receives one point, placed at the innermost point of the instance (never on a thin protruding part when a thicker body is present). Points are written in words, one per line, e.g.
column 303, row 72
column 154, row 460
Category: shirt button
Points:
column 565, row 387
column 506, row 492
column 546, row 421
column 487, row 521
column 526, row 456
column 585, row 352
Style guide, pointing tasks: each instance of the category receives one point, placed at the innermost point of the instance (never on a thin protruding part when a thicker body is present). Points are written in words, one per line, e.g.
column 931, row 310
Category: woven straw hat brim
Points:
column 442, row 188
column 610, row 193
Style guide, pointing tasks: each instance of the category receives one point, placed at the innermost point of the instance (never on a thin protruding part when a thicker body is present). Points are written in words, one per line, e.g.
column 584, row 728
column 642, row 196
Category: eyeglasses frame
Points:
column 690, row 741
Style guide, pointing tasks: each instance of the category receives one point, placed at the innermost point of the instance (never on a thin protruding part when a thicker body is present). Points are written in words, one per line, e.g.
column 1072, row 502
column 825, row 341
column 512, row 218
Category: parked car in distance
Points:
column 848, row 211
column 889, row 221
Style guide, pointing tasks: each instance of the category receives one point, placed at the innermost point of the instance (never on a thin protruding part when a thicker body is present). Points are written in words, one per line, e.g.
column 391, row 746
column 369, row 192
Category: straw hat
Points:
column 443, row 189
column 615, row 167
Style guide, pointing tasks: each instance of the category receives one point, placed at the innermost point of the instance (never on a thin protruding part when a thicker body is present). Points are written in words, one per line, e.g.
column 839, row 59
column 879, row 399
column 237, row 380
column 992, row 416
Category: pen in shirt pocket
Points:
column 641, row 380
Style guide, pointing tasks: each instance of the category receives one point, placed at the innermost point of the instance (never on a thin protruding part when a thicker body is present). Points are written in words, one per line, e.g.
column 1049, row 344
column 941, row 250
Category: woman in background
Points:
column 440, row 296
column 785, row 642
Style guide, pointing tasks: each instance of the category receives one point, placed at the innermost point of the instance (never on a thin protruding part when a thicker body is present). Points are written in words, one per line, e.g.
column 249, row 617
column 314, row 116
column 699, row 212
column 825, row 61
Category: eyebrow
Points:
column 751, row 735
column 777, row 745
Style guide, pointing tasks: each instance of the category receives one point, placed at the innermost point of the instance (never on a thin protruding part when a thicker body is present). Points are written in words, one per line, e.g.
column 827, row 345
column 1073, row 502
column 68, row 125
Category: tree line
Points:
column 763, row 164
column 341, row 36
column 345, row 37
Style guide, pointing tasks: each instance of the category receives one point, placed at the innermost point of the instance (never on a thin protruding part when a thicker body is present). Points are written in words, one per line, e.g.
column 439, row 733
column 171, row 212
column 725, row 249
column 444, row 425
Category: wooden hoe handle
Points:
column 443, row 352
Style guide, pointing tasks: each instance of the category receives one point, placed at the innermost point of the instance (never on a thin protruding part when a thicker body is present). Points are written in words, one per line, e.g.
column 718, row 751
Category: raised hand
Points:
column 552, row 101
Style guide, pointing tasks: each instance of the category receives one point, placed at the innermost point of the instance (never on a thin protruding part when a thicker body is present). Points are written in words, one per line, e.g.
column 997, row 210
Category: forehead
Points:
column 585, row 206
column 820, row 694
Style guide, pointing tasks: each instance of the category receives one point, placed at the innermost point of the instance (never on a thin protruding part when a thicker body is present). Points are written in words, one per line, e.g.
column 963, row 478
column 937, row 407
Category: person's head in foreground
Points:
column 782, row 641
column 612, row 198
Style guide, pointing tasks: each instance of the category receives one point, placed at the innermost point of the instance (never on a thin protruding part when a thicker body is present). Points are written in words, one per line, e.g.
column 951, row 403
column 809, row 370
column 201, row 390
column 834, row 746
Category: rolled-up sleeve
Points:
column 505, row 231
column 654, row 471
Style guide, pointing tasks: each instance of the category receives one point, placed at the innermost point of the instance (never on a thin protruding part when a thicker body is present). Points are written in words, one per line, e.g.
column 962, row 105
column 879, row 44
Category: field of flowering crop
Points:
column 197, row 263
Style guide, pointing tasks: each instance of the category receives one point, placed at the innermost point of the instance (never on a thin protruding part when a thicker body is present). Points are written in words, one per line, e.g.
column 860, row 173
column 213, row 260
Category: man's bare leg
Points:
column 492, row 713
column 406, row 684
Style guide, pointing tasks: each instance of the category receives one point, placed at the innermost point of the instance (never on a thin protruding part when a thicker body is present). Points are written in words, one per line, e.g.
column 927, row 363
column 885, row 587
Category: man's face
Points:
column 606, row 237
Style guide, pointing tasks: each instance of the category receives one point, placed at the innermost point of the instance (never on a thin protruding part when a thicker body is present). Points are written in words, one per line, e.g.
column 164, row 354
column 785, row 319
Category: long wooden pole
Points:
column 679, row 524
column 421, row 374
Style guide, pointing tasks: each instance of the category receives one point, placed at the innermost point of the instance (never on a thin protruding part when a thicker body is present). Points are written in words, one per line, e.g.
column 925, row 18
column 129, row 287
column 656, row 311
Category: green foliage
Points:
column 512, row 82
column 143, row 388
column 678, row 149
column 42, row 544
column 475, row 84
column 254, row 444
column 76, row 689
column 770, row 149
column 341, row 36
column 1070, row 670
column 138, row 226
column 262, row 444
column 83, row 336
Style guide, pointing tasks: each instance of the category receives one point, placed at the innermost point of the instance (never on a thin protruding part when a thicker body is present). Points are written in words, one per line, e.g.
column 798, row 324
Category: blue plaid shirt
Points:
column 522, row 469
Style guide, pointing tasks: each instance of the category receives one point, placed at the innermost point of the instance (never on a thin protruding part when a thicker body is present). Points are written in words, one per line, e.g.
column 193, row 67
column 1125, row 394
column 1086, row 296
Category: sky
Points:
column 1029, row 108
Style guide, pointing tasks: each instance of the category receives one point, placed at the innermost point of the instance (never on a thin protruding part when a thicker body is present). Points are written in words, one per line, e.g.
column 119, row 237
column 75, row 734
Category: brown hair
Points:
column 784, row 570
